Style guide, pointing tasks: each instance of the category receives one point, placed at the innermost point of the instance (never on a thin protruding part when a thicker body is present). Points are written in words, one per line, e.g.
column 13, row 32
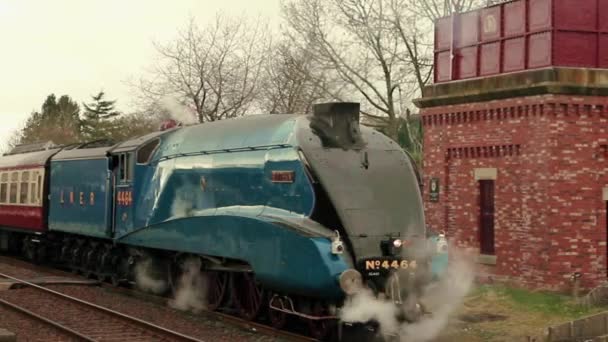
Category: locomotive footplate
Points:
column 359, row 332
column 383, row 266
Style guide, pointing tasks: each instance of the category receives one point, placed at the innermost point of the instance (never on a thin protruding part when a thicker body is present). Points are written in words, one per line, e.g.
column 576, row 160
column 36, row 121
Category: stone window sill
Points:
column 486, row 259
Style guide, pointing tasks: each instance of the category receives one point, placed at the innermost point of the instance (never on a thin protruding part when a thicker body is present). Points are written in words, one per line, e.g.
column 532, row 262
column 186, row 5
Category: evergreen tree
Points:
column 58, row 121
column 99, row 118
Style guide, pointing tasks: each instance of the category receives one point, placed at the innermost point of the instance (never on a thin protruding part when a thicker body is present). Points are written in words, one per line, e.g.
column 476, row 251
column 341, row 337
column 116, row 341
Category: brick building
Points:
column 516, row 139
column 521, row 161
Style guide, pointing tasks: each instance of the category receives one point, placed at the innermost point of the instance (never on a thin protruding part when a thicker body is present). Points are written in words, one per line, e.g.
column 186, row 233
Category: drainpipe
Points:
column 575, row 278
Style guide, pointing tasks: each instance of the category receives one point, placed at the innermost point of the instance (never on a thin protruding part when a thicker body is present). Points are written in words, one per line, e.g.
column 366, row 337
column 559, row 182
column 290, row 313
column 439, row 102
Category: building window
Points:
column 486, row 219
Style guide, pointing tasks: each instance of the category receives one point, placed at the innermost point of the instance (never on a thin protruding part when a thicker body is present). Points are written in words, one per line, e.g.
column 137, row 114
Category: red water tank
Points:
column 521, row 35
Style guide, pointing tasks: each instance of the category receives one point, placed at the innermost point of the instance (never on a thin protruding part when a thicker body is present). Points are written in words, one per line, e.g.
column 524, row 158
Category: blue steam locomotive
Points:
column 287, row 215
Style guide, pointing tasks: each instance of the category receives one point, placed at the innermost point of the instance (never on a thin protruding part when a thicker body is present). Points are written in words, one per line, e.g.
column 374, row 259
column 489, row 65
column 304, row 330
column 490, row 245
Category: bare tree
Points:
column 382, row 49
column 213, row 69
column 354, row 40
column 434, row 9
column 290, row 83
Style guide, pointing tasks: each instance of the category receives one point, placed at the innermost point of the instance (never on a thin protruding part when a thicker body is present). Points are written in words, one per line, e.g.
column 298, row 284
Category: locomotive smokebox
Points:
column 337, row 124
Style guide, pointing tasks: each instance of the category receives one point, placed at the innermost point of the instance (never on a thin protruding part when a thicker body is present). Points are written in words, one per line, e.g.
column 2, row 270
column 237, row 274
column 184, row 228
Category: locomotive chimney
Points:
column 337, row 124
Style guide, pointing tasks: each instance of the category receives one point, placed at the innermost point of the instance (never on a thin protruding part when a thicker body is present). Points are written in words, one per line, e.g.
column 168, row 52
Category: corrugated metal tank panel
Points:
column 521, row 35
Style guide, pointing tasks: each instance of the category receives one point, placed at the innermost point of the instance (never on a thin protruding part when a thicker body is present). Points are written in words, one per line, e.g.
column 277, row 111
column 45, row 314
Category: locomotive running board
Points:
column 291, row 309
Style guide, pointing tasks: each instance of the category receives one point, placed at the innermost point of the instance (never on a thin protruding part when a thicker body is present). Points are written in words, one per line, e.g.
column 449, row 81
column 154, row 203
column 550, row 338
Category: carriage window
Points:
column 24, row 189
column 34, row 188
column 145, row 153
column 39, row 186
column 13, row 188
column 4, row 188
column 33, row 193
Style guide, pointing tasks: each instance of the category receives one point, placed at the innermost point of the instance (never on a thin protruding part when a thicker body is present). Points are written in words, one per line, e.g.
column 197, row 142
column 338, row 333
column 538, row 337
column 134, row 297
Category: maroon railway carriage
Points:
column 23, row 190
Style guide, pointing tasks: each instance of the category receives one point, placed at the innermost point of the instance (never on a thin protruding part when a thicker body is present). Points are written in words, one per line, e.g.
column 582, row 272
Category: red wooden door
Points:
column 486, row 219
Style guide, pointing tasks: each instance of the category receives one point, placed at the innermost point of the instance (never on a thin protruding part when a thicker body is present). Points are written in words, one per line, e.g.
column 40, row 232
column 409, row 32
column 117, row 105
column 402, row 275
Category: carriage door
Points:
column 123, row 201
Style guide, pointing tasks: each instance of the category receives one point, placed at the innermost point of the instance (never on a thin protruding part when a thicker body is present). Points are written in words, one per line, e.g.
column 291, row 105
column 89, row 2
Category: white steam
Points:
column 441, row 298
column 178, row 111
column 365, row 307
column 191, row 288
column 145, row 280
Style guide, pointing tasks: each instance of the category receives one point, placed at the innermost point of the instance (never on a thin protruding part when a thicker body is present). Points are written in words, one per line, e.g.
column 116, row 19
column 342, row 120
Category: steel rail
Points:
column 161, row 300
column 131, row 319
column 54, row 324
column 220, row 316
column 258, row 327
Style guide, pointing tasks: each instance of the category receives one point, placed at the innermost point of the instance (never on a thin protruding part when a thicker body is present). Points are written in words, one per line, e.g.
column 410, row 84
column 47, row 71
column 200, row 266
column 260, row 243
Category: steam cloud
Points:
column 178, row 111
column 442, row 298
column 191, row 288
column 145, row 280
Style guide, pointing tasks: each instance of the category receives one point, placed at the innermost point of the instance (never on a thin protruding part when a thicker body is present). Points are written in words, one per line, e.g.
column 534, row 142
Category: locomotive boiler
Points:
column 286, row 215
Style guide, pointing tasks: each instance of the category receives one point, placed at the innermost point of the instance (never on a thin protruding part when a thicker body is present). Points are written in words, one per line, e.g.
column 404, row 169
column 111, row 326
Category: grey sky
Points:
column 78, row 47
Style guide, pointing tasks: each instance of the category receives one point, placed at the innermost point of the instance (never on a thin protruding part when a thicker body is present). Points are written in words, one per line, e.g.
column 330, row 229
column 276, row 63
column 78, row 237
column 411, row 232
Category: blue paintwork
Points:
column 208, row 190
column 86, row 177
column 173, row 187
column 249, row 131
column 124, row 220
column 283, row 260
column 209, row 196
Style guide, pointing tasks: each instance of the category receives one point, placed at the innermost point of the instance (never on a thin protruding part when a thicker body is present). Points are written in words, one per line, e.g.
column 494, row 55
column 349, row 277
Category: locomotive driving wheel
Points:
column 319, row 329
column 90, row 260
column 277, row 318
column 247, row 295
column 76, row 258
column 29, row 250
column 216, row 289
column 215, row 283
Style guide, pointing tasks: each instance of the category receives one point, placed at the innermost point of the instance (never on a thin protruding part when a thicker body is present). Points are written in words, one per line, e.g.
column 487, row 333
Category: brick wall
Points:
column 552, row 163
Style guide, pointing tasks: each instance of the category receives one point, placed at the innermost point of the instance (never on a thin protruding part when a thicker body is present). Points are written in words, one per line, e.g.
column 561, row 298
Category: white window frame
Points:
column 36, row 176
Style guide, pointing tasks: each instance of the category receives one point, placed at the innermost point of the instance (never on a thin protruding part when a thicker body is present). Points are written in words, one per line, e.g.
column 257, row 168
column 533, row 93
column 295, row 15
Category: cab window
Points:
column 125, row 167
column 145, row 152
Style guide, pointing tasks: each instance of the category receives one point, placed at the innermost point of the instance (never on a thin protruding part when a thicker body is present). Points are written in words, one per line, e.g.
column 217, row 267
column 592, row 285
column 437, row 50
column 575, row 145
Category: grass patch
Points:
column 527, row 313
column 547, row 303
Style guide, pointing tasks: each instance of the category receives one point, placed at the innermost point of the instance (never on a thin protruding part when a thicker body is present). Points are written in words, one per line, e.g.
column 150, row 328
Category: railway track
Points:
column 30, row 268
column 82, row 320
column 233, row 320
